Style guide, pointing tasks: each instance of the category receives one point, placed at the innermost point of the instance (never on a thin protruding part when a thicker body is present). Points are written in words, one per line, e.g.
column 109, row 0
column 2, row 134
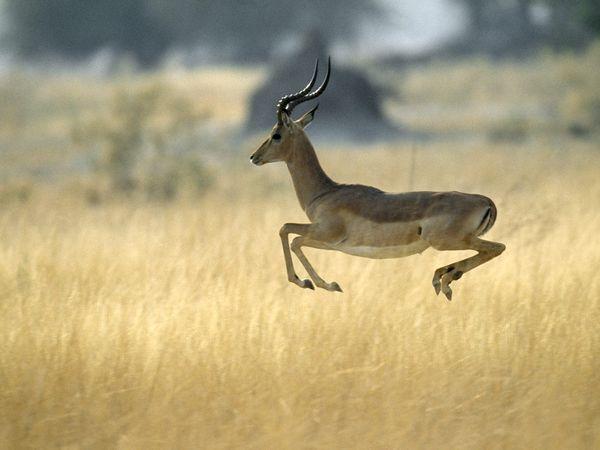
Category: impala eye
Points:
column 276, row 136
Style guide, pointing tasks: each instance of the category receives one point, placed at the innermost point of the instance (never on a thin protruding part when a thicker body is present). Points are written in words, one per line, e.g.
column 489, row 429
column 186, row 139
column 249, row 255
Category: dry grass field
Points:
column 134, row 324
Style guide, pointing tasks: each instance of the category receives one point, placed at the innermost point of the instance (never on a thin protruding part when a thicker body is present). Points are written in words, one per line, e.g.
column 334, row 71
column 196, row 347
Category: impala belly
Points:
column 381, row 240
column 392, row 251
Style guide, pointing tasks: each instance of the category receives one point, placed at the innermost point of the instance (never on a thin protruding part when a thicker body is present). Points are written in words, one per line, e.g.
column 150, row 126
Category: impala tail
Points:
column 488, row 220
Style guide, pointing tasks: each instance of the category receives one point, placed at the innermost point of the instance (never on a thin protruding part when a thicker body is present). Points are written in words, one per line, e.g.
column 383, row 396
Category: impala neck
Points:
column 309, row 178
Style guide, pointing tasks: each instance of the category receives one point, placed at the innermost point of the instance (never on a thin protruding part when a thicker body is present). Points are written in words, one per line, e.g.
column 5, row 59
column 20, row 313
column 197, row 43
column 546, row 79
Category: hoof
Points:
column 446, row 280
column 448, row 294
column 437, row 286
column 446, row 288
column 307, row 284
column 437, row 279
column 334, row 287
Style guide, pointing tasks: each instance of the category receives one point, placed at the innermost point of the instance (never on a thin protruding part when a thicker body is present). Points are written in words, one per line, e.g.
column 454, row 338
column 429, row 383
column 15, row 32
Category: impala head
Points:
column 279, row 146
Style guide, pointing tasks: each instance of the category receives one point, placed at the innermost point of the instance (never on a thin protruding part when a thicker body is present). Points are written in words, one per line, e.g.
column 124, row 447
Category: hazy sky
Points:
column 414, row 25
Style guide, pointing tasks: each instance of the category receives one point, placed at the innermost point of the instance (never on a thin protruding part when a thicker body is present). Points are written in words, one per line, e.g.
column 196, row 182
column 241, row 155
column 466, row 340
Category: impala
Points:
column 363, row 220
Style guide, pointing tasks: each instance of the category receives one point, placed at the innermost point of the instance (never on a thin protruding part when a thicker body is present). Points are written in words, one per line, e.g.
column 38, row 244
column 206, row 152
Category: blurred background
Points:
column 153, row 97
column 143, row 296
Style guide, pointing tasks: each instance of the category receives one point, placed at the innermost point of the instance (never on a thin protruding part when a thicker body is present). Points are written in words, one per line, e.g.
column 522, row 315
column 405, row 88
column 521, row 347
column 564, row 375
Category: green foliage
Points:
column 589, row 13
column 583, row 12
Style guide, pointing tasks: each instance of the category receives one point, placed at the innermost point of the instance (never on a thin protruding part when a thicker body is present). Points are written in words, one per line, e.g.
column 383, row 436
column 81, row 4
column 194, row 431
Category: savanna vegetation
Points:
column 143, row 297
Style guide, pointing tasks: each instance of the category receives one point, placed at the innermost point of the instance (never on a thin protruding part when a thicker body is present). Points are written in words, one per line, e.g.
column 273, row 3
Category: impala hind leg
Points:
column 297, row 245
column 486, row 250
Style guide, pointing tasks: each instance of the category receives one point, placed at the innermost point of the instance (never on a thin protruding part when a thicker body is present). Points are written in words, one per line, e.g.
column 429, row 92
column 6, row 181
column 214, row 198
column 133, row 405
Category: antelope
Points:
column 363, row 220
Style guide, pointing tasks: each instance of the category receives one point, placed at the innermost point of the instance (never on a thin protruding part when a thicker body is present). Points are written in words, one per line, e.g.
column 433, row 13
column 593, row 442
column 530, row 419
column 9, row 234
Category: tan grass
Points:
column 546, row 94
column 173, row 326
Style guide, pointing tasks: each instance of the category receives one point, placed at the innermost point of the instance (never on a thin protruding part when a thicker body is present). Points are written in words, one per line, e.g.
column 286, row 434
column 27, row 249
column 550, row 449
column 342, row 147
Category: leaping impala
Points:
column 363, row 220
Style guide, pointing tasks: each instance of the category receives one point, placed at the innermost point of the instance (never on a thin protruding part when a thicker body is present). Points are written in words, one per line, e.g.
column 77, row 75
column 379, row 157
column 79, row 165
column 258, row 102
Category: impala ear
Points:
column 307, row 118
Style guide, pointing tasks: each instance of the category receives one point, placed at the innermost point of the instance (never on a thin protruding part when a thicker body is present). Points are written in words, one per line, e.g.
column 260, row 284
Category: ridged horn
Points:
column 292, row 104
column 285, row 100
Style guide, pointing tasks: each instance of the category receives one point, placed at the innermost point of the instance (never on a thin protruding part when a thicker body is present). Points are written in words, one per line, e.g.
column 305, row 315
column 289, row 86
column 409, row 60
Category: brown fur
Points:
column 365, row 221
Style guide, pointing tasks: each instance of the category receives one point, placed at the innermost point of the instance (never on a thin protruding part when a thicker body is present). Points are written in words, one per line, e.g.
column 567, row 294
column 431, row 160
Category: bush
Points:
column 512, row 129
column 143, row 143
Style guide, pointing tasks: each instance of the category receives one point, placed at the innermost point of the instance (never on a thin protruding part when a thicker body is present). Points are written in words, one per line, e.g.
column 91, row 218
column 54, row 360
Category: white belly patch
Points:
column 395, row 251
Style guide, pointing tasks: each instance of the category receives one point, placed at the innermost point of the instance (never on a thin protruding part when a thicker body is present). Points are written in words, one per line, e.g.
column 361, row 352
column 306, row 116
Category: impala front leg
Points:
column 297, row 245
column 285, row 230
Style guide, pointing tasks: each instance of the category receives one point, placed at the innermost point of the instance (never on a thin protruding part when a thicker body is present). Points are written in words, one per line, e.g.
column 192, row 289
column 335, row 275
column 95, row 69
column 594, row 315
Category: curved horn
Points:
column 290, row 107
column 285, row 100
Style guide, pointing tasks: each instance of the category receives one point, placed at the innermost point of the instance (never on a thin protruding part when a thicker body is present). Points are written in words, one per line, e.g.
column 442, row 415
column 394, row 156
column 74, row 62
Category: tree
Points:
column 506, row 26
column 76, row 28
column 245, row 30
column 484, row 14
column 584, row 12
column 589, row 12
